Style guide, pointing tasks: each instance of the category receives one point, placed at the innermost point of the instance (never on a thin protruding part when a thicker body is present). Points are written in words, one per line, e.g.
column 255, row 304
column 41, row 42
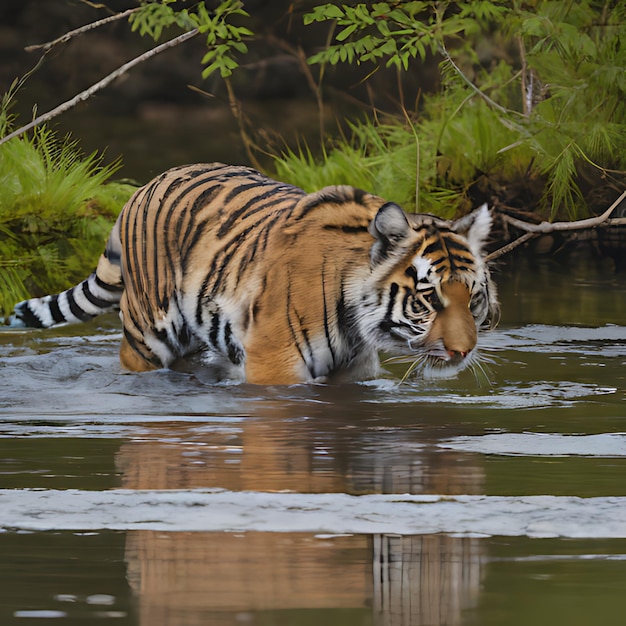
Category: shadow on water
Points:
column 89, row 454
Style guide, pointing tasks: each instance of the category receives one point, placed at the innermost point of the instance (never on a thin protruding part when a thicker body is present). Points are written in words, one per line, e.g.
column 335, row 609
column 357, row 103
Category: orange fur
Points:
column 278, row 286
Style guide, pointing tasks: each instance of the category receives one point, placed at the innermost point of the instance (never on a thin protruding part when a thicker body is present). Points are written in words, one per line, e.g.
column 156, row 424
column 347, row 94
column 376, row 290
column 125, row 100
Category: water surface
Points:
column 160, row 498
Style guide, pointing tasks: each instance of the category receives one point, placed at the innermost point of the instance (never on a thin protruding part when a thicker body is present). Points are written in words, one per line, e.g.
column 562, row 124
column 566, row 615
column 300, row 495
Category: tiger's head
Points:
column 432, row 289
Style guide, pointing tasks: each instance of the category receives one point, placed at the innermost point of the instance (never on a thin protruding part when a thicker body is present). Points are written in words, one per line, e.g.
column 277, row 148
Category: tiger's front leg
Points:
column 133, row 360
column 277, row 350
column 271, row 362
column 141, row 350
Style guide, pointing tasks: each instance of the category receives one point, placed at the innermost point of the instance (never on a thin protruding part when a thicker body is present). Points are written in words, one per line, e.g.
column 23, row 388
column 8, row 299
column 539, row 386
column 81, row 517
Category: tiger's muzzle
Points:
column 453, row 333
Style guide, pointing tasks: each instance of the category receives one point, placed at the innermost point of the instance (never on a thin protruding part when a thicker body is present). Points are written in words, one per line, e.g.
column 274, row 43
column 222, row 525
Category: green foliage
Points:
column 543, row 102
column 555, row 116
column 153, row 17
column 397, row 31
column 223, row 38
column 55, row 213
column 383, row 158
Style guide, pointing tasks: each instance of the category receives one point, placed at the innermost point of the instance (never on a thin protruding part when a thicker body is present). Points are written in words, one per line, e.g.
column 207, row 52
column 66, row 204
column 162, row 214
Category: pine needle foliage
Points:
column 548, row 115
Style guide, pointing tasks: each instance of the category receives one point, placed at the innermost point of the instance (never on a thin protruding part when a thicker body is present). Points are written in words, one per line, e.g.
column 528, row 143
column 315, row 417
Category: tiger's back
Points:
column 278, row 286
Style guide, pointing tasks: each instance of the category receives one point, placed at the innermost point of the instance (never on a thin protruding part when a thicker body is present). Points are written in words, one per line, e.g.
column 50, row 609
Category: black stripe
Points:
column 163, row 336
column 214, row 332
column 149, row 238
column 128, row 242
column 244, row 210
column 405, row 298
column 217, row 275
column 388, row 323
column 344, row 317
column 187, row 241
column 438, row 261
column 330, row 196
column 460, row 267
column 98, row 302
column 307, row 343
column 348, row 230
column 393, row 292
column 184, row 335
column 25, row 313
column 260, row 241
column 411, row 272
column 294, row 336
column 455, row 246
column 359, row 195
column 221, row 259
column 326, row 324
column 57, row 314
column 113, row 256
column 235, row 354
column 108, row 286
column 75, row 308
column 201, row 200
column 142, row 350
column 432, row 248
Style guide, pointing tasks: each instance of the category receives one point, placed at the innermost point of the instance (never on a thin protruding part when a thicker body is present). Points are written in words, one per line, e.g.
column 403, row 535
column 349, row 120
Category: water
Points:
column 160, row 499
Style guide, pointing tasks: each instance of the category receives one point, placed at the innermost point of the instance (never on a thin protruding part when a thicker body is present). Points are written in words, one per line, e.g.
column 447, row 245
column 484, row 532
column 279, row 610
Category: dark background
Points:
column 154, row 115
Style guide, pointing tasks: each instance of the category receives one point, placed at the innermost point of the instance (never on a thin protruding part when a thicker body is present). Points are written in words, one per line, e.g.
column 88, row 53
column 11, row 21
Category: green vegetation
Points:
column 529, row 111
column 223, row 38
column 537, row 121
column 55, row 212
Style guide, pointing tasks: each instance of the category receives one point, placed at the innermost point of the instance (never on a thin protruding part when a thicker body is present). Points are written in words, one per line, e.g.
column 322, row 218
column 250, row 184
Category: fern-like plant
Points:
column 555, row 115
column 55, row 212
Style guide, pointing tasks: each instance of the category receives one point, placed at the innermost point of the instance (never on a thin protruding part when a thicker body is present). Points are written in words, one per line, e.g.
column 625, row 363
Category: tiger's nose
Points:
column 456, row 356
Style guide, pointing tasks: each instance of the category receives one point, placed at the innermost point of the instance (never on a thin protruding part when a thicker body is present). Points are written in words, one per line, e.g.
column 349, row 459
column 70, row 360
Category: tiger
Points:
column 272, row 285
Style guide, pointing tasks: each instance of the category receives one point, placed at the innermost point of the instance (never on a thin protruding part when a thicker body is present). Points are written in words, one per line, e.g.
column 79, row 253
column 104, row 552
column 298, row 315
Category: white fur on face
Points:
column 422, row 265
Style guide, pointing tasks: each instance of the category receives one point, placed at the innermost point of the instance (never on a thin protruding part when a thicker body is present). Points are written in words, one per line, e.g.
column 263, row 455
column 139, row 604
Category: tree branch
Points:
column 550, row 227
column 470, row 84
column 532, row 230
column 509, row 246
column 83, row 95
column 79, row 31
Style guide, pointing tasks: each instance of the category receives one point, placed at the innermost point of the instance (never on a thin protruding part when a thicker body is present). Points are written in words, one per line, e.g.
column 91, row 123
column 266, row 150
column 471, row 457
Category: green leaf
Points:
column 346, row 32
column 383, row 28
column 323, row 13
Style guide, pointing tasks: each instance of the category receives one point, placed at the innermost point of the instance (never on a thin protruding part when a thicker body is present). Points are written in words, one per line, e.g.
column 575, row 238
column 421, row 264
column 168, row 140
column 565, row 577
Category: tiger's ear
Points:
column 390, row 227
column 475, row 227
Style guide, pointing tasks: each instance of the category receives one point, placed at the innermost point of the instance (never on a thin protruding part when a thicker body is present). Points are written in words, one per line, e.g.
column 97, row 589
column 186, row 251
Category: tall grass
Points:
column 444, row 163
column 55, row 212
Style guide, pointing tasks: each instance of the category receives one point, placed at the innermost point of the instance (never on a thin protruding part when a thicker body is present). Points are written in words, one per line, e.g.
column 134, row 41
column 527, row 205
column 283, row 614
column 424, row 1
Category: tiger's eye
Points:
column 433, row 300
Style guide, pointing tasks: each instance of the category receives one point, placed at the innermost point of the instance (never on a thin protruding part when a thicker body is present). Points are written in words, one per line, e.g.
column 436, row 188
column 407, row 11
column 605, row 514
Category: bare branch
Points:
column 83, row 95
column 533, row 230
column 300, row 56
column 79, row 31
column 509, row 246
column 550, row 227
column 235, row 109
column 472, row 86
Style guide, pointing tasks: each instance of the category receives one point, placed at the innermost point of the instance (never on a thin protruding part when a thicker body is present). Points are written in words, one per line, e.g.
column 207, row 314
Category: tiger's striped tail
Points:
column 98, row 294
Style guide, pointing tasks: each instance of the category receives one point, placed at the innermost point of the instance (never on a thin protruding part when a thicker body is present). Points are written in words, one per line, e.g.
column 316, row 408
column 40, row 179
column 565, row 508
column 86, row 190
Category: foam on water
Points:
column 222, row 510
column 607, row 445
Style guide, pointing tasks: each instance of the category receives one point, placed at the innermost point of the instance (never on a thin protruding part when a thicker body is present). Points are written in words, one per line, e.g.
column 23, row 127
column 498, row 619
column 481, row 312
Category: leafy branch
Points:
column 554, row 119
column 223, row 40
